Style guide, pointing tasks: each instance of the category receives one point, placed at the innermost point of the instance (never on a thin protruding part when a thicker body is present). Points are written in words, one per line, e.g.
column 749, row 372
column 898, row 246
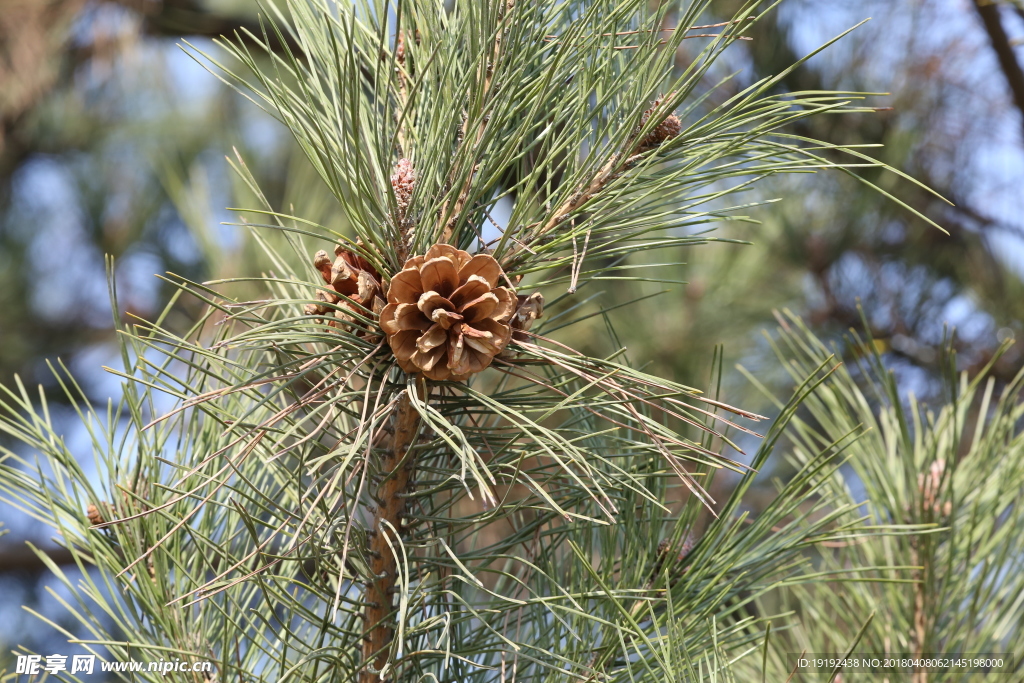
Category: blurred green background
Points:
column 113, row 141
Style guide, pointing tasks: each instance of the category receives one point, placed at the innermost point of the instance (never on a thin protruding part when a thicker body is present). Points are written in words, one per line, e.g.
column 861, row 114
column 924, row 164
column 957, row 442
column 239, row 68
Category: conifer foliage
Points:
column 392, row 465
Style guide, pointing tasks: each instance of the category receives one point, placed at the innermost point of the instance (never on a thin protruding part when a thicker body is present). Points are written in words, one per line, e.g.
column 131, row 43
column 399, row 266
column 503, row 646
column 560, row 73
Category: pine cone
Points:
column 666, row 130
column 446, row 316
column 352, row 277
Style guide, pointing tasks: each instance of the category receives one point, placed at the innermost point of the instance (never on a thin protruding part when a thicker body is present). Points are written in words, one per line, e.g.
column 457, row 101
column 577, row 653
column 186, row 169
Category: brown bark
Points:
column 377, row 619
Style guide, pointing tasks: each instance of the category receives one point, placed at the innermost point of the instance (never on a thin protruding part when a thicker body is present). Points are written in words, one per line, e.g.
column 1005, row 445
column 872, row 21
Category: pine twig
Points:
column 403, row 92
column 451, row 217
column 619, row 162
column 391, row 506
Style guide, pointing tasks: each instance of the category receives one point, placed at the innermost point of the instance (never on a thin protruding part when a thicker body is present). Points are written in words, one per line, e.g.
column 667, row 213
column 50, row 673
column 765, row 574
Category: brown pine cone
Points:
column 351, row 280
column 664, row 131
column 446, row 316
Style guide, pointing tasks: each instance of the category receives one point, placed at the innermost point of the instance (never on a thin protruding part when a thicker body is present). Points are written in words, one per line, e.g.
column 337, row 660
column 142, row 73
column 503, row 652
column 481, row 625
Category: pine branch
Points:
column 528, row 448
column 20, row 558
column 390, row 498
column 486, row 68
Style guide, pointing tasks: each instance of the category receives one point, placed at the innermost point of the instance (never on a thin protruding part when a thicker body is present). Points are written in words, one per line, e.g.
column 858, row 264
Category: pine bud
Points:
column 663, row 558
column 400, row 49
column 666, row 545
column 94, row 515
column 528, row 309
column 403, row 182
column 928, row 484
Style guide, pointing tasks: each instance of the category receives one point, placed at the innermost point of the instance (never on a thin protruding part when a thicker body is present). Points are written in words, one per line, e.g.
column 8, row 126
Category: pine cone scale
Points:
column 480, row 308
column 427, row 358
column 431, row 302
column 484, row 266
column 474, row 288
column 322, row 262
column 432, row 338
column 439, row 275
column 445, row 318
column 403, row 344
column 405, row 285
column 402, row 317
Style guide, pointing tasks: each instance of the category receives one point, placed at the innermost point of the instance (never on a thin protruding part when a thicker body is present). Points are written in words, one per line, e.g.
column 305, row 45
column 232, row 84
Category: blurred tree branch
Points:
column 37, row 59
column 20, row 558
column 175, row 18
column 989, row 13
column 964, row 258
column 31, row 35
column 36, row 55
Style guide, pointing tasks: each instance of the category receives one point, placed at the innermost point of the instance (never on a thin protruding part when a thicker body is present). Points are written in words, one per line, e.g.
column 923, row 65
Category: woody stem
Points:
column 377, row 621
